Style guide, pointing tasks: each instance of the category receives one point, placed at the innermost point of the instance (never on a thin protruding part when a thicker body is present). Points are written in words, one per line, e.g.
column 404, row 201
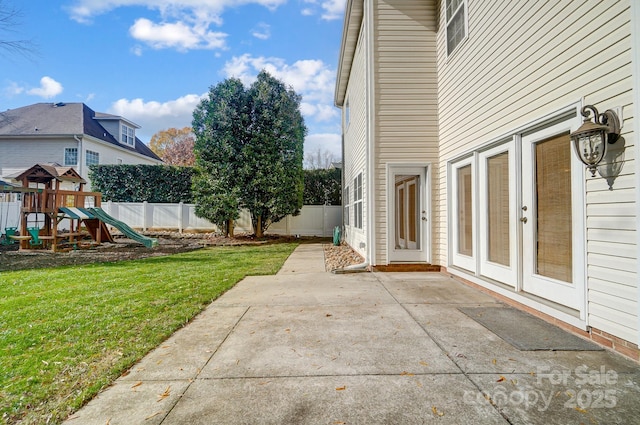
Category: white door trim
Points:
column 423, row 254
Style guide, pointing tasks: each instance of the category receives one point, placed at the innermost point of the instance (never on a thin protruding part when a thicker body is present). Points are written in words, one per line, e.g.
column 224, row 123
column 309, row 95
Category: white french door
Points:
column 551, row 217
column 408, row 214
column 498, row 213
column 517, row 215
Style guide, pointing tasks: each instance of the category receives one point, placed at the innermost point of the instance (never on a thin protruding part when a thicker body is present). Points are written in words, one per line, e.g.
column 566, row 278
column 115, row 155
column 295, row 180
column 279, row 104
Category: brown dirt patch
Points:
column 125, row 249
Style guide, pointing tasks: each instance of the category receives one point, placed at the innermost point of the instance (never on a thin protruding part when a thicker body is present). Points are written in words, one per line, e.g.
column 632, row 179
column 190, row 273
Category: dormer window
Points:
column 128, row 135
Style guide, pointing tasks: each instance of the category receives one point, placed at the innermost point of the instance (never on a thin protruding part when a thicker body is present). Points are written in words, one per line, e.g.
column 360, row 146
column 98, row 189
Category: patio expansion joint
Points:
column 190, row 381
column 446, row 353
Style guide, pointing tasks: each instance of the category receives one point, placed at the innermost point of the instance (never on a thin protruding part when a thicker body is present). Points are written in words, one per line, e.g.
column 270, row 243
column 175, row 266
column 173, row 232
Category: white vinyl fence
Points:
column 314, row 220
column 9, row 214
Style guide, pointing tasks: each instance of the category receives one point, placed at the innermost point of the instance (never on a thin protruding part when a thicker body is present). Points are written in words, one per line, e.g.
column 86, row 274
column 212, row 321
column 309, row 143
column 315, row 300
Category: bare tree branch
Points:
column 10, row 18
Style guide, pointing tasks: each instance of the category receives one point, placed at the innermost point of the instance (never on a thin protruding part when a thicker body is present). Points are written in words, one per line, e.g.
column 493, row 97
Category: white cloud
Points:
column 261, row 31
column 202, row 10
column 13, row 89
column 329, row 142
column 154, row 116
column 177, row 35
column 333, row 9
column 48, row 88
column 311, row 78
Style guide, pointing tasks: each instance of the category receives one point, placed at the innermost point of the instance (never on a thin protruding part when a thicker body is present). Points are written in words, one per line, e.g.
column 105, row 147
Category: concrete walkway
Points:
column 310, row 347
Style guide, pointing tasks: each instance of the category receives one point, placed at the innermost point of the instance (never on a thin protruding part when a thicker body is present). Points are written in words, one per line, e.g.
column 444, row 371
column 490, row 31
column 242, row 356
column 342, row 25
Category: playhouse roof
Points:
column 44, row 173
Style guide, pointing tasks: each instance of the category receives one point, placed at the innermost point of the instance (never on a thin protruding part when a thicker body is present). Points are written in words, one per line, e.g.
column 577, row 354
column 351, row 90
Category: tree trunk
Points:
column 230, row 227
column 259, row 227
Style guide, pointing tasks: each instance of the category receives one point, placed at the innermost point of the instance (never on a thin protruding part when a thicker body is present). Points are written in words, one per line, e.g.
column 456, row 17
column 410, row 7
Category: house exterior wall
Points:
column 504, row 78
column 355, row 142
column 18, row 155
column 406, row 109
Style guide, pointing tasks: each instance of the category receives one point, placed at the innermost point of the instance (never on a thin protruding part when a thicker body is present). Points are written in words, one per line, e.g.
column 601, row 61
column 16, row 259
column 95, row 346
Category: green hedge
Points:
column 170, row 184
column 138, row 183
column 322, row 187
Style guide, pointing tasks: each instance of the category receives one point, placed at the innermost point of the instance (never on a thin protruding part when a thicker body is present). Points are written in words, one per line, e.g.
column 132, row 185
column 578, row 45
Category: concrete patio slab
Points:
column 186, row 353
column 333, row 400
column 328, row 340
column 431, row 288
column 308, row 289
column 131, row 402
column 367, row 348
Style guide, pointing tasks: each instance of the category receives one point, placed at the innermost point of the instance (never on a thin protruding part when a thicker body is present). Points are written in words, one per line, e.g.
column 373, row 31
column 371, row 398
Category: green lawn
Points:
column 67, row 332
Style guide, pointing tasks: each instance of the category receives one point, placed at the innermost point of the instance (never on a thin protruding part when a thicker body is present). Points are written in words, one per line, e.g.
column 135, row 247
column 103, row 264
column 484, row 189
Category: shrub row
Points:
column 171, row 184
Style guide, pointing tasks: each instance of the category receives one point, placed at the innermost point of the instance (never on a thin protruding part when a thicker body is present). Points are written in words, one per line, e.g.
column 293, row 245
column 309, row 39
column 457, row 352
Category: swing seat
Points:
column 8, row 233
column 35, row 236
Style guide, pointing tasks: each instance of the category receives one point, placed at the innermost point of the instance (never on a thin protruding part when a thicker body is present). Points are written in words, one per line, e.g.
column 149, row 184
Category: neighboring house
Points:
column 457, row 154
column 69, row 134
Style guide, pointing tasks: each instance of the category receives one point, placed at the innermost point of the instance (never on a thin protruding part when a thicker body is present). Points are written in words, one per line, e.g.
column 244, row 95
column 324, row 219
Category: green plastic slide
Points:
column 124, row 228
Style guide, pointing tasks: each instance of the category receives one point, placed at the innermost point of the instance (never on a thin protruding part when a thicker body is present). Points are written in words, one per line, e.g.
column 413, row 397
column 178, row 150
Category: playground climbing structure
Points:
column 58, row 219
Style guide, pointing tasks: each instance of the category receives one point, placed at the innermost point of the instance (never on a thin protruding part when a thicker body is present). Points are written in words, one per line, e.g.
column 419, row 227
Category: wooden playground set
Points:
column 57, row 219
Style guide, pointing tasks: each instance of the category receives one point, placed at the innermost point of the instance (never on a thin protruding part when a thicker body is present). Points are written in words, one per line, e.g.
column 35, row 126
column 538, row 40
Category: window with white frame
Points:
column 71, row 156
column 456, row 23
column 92, row 158
column 346, row 206
column 128, row 135
column 357, row 201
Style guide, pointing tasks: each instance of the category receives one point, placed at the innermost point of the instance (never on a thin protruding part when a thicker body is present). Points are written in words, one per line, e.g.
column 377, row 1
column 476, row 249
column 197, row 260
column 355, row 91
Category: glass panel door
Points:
column 409, row 218
column 498, row 214
column 547, row 218
column 462, row 214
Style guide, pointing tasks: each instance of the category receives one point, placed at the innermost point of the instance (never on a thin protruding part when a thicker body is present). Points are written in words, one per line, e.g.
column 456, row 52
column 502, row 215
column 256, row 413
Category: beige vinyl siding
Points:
column 406, row 111
column 538, row 59
column 355, row 139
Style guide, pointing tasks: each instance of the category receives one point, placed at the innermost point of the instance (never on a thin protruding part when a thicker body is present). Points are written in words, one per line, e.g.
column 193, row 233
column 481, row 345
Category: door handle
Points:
column 523, row 219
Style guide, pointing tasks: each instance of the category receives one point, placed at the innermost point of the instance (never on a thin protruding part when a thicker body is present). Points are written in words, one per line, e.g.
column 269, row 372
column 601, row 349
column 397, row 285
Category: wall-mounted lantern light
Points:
column 591, row 139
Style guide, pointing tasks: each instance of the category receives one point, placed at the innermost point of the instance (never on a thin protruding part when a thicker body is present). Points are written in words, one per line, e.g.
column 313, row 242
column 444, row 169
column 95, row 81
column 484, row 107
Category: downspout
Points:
column 79, row 140
column 635, row 71
column 371, row 136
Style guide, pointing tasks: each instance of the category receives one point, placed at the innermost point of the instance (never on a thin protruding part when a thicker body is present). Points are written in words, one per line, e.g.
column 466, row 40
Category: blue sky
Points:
column 152, row 60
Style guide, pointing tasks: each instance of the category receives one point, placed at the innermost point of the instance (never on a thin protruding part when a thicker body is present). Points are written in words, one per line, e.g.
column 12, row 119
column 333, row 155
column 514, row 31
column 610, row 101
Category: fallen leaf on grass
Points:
column 341, row 388
column 580, row 409
column 165, row 394
column 435, row 411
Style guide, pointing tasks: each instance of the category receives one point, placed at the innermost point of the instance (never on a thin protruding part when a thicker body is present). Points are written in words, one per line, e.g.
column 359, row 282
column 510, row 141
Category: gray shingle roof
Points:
column 62, row 119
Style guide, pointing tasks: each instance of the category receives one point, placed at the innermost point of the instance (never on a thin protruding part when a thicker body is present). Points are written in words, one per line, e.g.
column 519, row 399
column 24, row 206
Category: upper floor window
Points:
column 92, row 158
column 128, row 135
column 456, row 23
column 70, row 156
